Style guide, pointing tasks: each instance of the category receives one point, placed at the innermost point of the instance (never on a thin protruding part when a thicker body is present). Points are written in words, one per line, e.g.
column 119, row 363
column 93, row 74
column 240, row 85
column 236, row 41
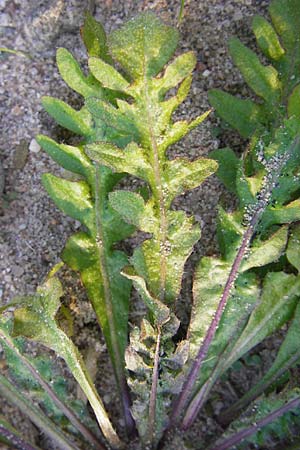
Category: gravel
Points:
column 33, row 231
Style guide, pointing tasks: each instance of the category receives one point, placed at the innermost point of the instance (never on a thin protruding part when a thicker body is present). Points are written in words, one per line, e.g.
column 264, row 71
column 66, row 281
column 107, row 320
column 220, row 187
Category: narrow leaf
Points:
column 262, row 80
column 265, row 252
column 243, row 115
column 267, row 38
column 72, row 74
column 276, row 307
column 66, row 116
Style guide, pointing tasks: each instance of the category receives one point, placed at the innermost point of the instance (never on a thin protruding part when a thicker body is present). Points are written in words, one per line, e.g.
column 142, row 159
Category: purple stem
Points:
column 15, row 440
column 265, row 195
column 190, row 381
column 239, row 436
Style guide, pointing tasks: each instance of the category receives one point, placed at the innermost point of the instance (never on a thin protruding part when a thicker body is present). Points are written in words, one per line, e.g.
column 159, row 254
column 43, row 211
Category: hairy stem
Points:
column 119, row 366
column 90, row 437
column 8, row 391
column 239, row 436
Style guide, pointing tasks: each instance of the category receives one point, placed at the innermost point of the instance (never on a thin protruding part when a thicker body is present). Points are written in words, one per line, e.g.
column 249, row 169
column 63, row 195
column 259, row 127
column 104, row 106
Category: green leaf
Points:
column 134, row 210
column 294, row 103
column 161, row 312
column 108, row 76
column 262, row 80
column 67, row 117
column 269, row 418
column 131, row 160
column 287, row 22
column 265, row 252
column 285, row 214
column 94, row 38
column 36, row 320
column 267, row 38
column 149, row 264
column 72, row 74
column 276, row 307
column 177, row 71
column 143, row 46
column 287, row 356
column 112, row 117
column 293, row 248
column 243, row 115
column 72, row 197
column 69, row 157
column 82, row 254
column 228, row 164
column 181, row 175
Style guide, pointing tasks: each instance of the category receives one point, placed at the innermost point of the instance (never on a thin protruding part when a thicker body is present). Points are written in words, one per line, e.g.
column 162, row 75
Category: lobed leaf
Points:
column 67, row 117
column 72, row 74
column 143, row 46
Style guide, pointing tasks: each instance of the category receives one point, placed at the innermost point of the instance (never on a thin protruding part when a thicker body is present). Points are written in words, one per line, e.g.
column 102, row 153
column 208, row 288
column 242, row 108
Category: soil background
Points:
column 33, row 230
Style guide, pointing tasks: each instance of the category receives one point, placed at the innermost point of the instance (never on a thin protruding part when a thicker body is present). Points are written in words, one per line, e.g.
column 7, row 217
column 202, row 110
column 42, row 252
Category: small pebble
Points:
column 34, row 147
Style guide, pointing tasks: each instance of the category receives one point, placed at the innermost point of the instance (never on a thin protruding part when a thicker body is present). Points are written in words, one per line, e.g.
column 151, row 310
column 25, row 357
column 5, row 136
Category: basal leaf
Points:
column 287, row 356
column 269, row 417
column 267, row 39
column 294, row 102
column 227, row 167
column 82, row 254
column 263, row 80
column 243, row 115
column 36, row 320
column 265, row 252
column 160, row 312
column 277, row 304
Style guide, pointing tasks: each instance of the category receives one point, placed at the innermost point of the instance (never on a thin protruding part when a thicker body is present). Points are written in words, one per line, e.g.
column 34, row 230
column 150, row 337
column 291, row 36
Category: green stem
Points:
column 36, row 415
